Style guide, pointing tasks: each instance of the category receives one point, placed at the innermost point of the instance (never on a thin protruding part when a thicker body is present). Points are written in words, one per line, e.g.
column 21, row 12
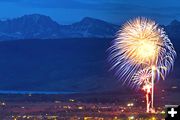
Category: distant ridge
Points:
column 37, row 26
column 173, row 29
column 91, row 27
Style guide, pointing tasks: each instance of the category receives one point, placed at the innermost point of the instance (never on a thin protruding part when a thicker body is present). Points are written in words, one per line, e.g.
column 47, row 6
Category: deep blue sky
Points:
column 115, row 11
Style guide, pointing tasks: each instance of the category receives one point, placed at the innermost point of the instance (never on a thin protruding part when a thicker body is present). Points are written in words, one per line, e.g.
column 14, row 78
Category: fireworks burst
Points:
column 143, row 77
column 141, row 44
column 141, row 53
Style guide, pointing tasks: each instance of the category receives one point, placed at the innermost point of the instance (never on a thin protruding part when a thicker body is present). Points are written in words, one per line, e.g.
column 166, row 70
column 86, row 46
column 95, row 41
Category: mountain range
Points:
column 36, row 26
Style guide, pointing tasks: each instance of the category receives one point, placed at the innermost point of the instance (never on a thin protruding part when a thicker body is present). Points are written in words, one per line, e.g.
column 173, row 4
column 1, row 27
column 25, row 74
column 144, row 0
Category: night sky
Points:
column 115, row 11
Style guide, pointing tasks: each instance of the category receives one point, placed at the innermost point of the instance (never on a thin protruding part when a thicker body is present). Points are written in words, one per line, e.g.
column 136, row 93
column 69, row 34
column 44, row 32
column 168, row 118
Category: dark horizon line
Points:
column 24, row 92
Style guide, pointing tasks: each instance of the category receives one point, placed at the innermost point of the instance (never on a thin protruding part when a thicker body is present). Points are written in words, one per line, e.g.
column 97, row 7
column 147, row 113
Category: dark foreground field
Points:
column 55, row 65
column 70, row 65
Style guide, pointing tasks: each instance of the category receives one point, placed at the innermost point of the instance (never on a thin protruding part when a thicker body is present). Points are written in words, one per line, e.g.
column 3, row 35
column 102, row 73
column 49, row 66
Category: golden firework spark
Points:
column 140, row 41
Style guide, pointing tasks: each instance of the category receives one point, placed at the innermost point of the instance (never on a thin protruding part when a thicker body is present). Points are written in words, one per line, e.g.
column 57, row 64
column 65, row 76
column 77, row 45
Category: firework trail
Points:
column 139, row 45
column 143, row 80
